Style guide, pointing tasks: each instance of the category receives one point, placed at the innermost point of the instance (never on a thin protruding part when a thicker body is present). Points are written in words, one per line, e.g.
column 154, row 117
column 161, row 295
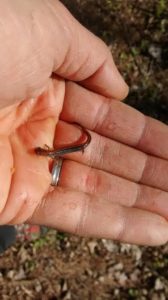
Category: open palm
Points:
column 117, row 188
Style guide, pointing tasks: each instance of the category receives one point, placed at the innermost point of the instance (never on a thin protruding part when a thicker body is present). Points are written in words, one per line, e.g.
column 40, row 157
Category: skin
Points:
column 55, row 72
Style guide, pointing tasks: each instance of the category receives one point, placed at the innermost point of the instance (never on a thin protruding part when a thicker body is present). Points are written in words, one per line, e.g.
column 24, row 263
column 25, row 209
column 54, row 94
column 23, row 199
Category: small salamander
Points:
column 55, row 153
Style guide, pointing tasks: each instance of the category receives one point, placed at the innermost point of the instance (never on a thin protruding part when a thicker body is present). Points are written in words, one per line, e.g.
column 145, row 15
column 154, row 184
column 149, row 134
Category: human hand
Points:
column 105, row 200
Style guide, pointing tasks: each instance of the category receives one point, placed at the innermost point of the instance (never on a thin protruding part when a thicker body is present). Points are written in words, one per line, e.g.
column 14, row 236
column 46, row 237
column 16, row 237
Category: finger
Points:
column 87, row 215
column 76, row 176
column 116, row 158
column 115, row 120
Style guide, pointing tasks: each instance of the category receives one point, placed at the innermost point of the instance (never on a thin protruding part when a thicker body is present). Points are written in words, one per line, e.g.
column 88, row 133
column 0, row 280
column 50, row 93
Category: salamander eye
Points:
column 38, row 151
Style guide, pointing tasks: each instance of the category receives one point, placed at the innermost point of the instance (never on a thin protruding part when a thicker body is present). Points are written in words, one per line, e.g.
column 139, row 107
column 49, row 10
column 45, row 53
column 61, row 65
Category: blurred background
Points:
column 54, row 265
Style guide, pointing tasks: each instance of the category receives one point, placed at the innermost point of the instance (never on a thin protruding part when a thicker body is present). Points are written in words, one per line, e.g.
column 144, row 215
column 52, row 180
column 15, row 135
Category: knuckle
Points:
column 120, row 226
column 81, row 225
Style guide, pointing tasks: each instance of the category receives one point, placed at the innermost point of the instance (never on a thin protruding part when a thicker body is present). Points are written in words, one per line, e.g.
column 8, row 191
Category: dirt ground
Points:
column 60, row 266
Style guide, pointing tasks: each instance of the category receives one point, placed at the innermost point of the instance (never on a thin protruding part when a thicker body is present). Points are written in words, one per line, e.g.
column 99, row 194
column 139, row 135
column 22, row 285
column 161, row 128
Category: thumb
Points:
column 39, row 38
column 87, row 59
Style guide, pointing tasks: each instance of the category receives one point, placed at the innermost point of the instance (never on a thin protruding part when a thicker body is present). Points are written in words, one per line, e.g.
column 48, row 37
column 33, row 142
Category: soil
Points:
column 60, row 266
